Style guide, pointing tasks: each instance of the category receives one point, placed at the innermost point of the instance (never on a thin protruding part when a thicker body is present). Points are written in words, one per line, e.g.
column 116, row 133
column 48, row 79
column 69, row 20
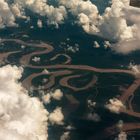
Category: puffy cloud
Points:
column 96, row 44
column 86, row 13
column 65, row 136
column 122, row 136
column 127, row 46
column 91, row 103
column 36, row 59
column 17, row 11
column 56, row 117
column 55, row 15
column 21, row 117
column 107, row 44
column 10, row 10
column 57, row 95
column 135, row 69
column 113, row 23
column 115, row 105
column 120, row 22
column 46, row 98
column 6, row 16
column 39, row 24
column 45, row 71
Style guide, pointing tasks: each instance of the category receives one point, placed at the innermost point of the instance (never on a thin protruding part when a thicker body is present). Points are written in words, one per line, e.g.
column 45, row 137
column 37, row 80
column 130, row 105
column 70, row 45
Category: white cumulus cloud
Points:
column 56, row 117
column 9, row 11
column 7, row 18
column 21, row 117
column 119, row 23
column 115, row 105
